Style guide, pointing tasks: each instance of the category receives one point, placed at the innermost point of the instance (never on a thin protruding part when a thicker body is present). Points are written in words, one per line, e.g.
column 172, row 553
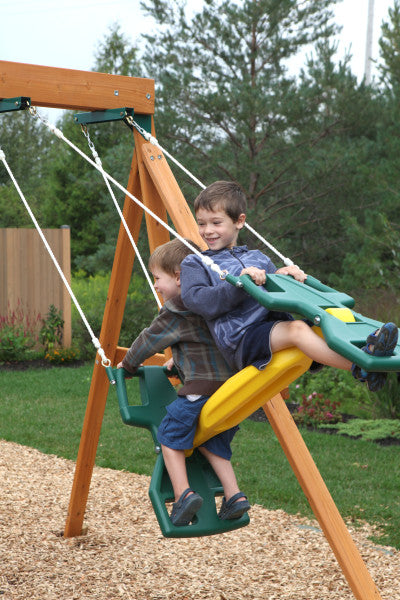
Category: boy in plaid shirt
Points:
column 203, row 370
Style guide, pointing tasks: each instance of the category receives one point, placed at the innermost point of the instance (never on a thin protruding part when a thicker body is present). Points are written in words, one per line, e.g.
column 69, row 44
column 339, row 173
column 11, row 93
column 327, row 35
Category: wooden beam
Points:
column 77, row 90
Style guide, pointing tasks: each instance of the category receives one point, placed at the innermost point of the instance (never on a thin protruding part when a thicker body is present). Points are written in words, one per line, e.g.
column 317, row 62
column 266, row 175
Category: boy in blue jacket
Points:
column 246, row 332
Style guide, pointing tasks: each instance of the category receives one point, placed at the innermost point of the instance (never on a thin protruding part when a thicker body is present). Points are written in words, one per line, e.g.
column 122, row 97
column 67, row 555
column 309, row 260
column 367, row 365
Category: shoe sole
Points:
column 376, row 381
column 231, row 514
column 386, row 340
column 384, row 343
column 187, row 512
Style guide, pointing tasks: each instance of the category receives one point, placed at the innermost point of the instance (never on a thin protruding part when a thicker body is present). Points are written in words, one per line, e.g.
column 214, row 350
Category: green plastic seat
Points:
column 203, row 479
column 311, row 300
column 156, row 393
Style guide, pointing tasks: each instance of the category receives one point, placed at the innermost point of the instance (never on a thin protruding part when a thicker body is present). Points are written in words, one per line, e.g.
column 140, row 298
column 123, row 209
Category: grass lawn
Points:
column 44, row 409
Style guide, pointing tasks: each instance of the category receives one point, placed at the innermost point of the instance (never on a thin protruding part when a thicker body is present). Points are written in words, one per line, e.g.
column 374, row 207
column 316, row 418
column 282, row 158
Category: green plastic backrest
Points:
column 311, row 299
column 156, row 393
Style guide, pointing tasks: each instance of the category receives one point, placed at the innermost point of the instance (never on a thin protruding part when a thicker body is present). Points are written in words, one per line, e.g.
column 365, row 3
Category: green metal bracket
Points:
column 103, row 116
column 18, row 103
column 114, row 114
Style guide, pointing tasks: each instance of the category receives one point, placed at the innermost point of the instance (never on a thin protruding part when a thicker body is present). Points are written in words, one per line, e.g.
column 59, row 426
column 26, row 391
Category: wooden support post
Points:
column 162, row 195
column 320, row 500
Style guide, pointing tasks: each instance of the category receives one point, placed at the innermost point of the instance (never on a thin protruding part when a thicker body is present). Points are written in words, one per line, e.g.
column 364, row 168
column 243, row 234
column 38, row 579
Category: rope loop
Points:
column 106, row 362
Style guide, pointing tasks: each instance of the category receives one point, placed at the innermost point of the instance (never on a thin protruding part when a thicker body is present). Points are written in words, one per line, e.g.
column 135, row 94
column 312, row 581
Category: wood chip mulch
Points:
column 123, row 554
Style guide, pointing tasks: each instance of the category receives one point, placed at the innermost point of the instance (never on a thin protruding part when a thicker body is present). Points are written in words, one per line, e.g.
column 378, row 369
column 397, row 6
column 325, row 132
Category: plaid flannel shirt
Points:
column 200, row 364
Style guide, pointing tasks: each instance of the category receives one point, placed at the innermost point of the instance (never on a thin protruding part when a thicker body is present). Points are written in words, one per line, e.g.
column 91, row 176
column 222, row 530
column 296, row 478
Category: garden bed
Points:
column 366, row 427
column 38, row 363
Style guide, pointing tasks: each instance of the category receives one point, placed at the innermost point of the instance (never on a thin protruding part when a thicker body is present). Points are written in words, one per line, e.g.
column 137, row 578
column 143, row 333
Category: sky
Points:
column 67, row 33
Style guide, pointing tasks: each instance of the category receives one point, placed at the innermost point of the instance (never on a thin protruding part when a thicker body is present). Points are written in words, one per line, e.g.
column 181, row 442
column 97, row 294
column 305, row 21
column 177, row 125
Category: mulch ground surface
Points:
column 123, row 555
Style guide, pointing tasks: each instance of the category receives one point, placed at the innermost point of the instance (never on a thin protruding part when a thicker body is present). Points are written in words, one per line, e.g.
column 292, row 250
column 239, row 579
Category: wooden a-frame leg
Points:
column 320, row 500
column 113, row 314
column 156, row 233
column 170, row 193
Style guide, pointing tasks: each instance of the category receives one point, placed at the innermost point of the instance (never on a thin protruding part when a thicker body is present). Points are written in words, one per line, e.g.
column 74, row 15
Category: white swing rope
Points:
column 121, row 216
column 150, row 138
column 104, row 360
column 205, row 259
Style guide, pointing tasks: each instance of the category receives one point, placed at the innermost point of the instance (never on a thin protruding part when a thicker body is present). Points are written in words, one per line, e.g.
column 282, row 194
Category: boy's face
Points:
column 217, row 229
column 165, row 284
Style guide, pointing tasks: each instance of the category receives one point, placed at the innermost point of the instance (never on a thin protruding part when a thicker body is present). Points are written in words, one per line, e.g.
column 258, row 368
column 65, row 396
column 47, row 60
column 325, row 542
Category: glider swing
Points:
column 152, row 182
column 325, row 306
column 344, row 331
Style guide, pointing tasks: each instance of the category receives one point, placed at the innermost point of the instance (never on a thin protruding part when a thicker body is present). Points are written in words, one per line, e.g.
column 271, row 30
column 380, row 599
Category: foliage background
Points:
column 316, row 152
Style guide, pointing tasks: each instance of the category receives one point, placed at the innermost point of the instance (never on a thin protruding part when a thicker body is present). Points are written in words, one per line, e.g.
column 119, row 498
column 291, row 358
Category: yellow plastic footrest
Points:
column 343, row 314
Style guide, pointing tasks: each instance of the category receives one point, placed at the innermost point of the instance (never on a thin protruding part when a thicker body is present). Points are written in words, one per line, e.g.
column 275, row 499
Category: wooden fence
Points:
column 29, row 281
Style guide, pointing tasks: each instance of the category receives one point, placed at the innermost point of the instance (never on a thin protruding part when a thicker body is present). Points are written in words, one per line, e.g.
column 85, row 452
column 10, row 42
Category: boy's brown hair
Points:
column 168, row 256
column 222, row 195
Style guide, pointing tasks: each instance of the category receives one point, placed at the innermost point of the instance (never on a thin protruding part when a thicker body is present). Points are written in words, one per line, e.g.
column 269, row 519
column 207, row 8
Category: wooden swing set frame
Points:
column 153, row 183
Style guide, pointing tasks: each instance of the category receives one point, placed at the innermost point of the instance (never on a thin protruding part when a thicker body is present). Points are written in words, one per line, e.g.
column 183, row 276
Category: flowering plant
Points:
column 52, row 331
column 315, row 410
column 62, row 355
column 18, row 333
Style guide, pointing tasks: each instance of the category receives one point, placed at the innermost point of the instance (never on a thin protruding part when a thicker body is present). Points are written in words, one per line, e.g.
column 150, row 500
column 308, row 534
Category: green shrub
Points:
column 387, row 400
column 354, row 397
column 60, row 356
column 340, row 387
column 51, row 332
column 14, row 343
column 91, row 293
column 369, row 430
